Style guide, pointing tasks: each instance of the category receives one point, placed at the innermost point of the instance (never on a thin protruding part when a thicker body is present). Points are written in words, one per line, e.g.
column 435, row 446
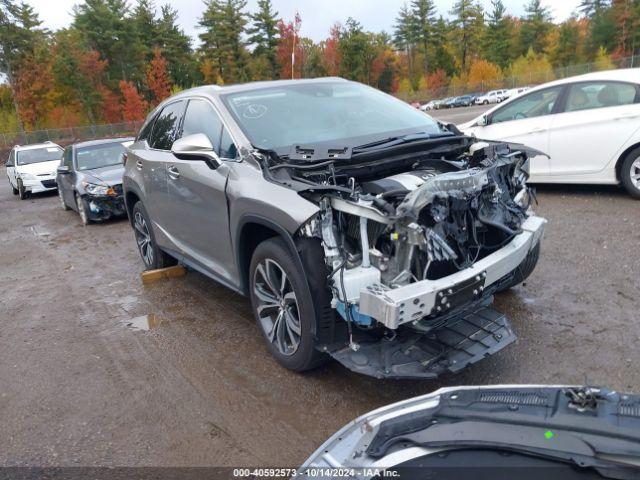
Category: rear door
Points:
column 151, row 161
column 526, row 120
column 598, row 118
column 197, row 214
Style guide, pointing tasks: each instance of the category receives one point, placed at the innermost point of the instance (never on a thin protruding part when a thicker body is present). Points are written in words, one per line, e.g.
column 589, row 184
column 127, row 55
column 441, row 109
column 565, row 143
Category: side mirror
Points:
column 482, row 121
column 196, row 147
column 64, row 169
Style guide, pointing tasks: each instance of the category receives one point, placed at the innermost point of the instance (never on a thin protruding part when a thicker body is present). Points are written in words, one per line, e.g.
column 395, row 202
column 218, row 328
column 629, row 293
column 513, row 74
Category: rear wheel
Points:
column 630, row 173
column 22, row 192
column 152, row 256
column 283, row 307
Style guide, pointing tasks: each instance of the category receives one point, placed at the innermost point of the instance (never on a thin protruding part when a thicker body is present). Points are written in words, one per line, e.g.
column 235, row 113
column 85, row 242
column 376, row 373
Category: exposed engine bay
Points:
column 416, row 236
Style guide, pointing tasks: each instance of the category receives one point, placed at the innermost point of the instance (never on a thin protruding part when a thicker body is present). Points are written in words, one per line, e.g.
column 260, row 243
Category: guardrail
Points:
column 70, row 135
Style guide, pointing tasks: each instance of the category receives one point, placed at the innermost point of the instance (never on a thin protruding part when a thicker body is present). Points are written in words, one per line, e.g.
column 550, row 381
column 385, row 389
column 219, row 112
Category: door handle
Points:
column 139, row 164
column 173, row 172
column 626, row 117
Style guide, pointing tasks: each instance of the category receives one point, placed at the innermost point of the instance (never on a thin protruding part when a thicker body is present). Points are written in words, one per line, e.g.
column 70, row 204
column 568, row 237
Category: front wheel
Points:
column 630, row 173
column 22, row 192
column 14, row 190
column 283, row 307
column 82, row 210
column 486, row 102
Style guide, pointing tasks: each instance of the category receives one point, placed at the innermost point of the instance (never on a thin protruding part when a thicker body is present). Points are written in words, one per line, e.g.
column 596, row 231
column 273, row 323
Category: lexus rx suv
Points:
column 361, row 228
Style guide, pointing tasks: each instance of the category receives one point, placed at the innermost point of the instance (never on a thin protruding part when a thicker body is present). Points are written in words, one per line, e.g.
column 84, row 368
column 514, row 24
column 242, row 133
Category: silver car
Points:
column 361, row 228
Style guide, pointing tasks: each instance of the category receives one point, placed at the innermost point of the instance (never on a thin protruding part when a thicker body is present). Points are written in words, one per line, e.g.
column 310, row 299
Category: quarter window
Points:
column 202, row 118
column 166, row 126
column 589, row 95
column 534, row 104
column 67, row 157
column 227, row 147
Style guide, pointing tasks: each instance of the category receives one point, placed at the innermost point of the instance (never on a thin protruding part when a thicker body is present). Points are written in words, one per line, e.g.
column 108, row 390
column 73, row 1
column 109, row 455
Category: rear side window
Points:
column 165, row 128
column 202, row 118
column 590, row 95
column 146, row 129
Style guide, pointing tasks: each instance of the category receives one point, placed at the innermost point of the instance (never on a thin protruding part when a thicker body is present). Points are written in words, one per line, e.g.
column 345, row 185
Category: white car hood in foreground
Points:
column 40, row 168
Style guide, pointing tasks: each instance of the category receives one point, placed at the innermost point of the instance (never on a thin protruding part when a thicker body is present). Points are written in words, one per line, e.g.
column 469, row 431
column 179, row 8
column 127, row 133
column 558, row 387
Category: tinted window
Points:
column 532, row 105
column 37, row 155
column 585, row 96
column 227, row 147
column 146, row 129
column 166, row 126
column 202, row 118
column 10, row 160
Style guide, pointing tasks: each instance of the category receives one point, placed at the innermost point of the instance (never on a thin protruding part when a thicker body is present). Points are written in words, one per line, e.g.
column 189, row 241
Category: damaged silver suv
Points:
column 361, row 228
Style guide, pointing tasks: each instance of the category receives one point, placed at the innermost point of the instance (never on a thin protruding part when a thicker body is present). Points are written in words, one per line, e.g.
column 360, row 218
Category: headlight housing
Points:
column 28, row 176
column 94, row 189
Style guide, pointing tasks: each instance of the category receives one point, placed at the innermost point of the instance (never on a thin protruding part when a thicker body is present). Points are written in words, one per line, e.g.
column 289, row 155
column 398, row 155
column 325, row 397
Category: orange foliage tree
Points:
column 33, row 94
column 134, row 107
column 288, row 32
column 483, row 74
column 158, row 80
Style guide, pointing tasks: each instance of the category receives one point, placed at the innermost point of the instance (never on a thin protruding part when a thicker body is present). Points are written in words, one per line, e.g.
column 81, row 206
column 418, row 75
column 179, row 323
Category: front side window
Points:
column 165, row 128
column 535, row 104
column 309, row 113
column 589, row 95
column 98, row 156
column 10, row 160
column 37, row 155
column 201, row 117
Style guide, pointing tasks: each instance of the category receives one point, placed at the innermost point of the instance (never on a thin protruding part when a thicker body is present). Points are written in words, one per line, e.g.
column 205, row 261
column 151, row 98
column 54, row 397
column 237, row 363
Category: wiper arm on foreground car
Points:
column 398, row 140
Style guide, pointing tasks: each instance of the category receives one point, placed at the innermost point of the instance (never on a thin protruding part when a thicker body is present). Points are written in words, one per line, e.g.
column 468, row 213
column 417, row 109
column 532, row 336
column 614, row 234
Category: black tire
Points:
column 22, row 192
column 486, row 102
column 154, row 257
column 63, row 203
column 525, row 268
column 83, row 210
column 631, row 167
column 291, row 302
column 14, row 190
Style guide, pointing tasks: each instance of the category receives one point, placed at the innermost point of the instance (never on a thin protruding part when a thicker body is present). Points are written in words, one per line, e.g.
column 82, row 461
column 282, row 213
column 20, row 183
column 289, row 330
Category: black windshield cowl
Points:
column 588, row 427
column 399, row 140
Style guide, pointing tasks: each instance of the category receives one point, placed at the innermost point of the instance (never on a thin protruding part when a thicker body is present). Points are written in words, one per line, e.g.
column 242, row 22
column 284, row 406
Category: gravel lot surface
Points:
column 81, row 387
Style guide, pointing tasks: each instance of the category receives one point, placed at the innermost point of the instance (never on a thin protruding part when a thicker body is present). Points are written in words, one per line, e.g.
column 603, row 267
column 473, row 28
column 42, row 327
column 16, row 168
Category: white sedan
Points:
column 589, row 126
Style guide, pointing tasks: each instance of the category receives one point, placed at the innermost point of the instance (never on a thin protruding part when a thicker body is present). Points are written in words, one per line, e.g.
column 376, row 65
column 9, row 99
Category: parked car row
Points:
column 87, row 175
column 493, row 96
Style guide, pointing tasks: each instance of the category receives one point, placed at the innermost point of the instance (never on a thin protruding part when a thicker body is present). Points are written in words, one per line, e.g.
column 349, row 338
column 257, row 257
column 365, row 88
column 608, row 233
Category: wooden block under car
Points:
column 150, row 276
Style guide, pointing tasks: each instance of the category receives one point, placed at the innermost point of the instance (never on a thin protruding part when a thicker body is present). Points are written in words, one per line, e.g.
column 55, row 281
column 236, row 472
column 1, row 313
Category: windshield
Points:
column 37, row 155
column 306, row 114
column 98, row 156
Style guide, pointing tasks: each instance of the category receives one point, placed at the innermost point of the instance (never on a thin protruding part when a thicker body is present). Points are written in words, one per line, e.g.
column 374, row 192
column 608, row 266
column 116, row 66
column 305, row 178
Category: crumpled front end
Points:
column 416, row 247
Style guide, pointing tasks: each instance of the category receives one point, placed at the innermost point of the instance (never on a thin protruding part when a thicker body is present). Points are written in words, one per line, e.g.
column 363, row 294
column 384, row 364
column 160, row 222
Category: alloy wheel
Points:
column 82, row 210
column 143, row 239
column 635, row 173
column 277, row 306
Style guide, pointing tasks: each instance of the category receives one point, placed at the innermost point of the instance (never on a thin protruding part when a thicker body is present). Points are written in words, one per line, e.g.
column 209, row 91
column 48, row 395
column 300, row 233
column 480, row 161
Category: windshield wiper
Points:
column 399, row 140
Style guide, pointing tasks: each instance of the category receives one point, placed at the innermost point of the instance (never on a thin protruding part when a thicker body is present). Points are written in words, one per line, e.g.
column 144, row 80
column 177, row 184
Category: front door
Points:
column 11, row 168
column 66, row 181
column 525, row 120
column 197, row 215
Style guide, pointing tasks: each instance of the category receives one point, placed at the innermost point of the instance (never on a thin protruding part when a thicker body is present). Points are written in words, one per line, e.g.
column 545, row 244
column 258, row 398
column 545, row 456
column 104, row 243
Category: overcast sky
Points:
column 317, row 15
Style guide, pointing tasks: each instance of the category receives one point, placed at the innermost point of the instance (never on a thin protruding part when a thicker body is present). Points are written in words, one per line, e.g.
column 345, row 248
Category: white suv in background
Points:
column 32, row 168
column 493, row 96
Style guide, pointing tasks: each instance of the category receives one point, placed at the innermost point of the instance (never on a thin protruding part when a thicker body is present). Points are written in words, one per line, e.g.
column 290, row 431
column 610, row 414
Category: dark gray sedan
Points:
column 90, row 178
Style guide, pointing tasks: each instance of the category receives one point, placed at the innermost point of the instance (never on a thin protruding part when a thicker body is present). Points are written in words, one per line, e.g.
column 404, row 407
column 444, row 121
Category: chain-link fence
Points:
column 531, row 78
column 69, row 135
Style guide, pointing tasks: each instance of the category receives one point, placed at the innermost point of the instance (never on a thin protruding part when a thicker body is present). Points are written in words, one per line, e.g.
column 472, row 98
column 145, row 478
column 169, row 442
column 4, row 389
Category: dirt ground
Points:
column 81, row 388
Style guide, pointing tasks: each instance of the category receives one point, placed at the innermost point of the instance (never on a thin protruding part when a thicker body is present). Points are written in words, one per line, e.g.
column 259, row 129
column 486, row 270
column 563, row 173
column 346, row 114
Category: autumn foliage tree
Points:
column 158, row 80
column 134, row 106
